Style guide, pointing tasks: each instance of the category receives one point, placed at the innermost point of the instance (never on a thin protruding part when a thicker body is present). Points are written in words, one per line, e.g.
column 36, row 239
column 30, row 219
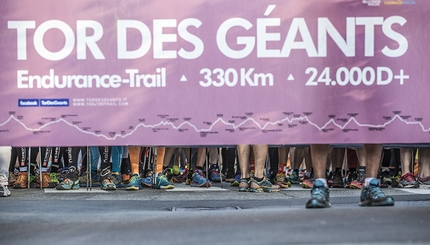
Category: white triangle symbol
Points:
column 183, row 79
column 290, row 77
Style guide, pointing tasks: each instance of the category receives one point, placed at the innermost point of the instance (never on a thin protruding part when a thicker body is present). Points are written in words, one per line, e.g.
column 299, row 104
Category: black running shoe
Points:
column 372, row 195
column 319, row 196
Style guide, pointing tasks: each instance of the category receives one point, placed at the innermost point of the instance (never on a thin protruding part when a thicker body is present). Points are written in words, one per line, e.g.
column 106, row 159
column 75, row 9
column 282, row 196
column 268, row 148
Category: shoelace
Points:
column 319, row 192
column 376, row 192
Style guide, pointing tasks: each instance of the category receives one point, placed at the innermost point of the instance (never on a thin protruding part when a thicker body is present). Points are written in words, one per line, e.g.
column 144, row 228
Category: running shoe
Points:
column 408, row 181
column 263, row 186
column 235, row 181
column 54, row 178
column 71, row 180
column 320, row 195
column 308, row 180
column 198, row 179
column 176, row 170
column 106, row 182
column 162, row 182
column 21, row 181
column 146, row 182
column 425, row 181
column 307, row 184
column 46, row 181
column 372, row 195
column 385, row 179
column 294, row 177
column 395, row 179
column 282, row 180
column 125, row 178
column 243, row 185
column 117, row 179
column 134, row 183
column 4, row 191
column 359, row 181
column 349, row 177
column 11, row 178
column 95, row 180
column 337, row 181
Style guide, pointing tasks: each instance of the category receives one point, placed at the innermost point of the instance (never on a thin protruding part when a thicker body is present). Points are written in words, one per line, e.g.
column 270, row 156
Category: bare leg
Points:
column 243, row 157
column 373, row 159
column 260, row 154
column 424, row 163
column 319, row 159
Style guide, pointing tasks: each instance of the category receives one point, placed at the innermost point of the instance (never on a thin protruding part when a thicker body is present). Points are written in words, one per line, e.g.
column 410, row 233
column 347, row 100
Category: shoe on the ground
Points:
column 106, row 182
column 146, row 182
column 294, row 177
column 308, row 180
column 4, row 191
column 176, row 170
column 54, row 178
column 46, row 181
column 243, row 185
column 12, row 178
column 425, row 181
column 320, row 195
column 235, row 181
column 198, row 179
column 395, row 179
column 163, row 183
column 117, row 179
column 385, row 179
column 359, row 181
column 348, row 179
column 263, row 186
column 95, row 180
column 408, row 181
column 372, row 195
column 307, row 184
column 282, row 180
column 125, row 178
column 336, row 180
column 134, row 183
column 21, row 181
column 71, row 180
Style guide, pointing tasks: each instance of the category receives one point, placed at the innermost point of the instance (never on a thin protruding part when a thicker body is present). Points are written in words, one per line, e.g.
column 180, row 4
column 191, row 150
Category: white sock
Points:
column 367, row 181
column 323, row 180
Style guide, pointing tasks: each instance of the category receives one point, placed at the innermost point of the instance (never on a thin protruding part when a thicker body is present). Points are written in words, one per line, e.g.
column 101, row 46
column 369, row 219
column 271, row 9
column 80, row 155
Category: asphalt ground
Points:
column 190, row 215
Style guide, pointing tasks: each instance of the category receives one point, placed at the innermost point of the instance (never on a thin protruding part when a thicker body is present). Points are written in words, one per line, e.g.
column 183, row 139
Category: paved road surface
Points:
column 209, row 216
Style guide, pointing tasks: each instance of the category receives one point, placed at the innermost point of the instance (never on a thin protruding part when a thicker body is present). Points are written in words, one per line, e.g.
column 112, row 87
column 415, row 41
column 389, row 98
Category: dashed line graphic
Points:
column 234, row 126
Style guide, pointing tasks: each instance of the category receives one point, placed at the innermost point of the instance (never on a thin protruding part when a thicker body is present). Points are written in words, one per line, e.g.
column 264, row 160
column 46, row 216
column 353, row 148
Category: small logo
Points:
column 28, row 102
column 54, row 102
column 372, row 2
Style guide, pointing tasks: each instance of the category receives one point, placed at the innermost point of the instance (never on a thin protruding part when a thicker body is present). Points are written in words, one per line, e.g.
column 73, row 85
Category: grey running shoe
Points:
column 372, row 195
column 320, row 195
column 408, row 181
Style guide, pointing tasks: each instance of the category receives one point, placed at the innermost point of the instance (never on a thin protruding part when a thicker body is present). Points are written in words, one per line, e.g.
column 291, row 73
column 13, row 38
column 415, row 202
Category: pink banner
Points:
column 104, row 72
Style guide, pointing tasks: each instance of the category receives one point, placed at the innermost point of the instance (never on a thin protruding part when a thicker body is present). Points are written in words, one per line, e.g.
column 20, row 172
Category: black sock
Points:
column 258, row 179
column 200, row 168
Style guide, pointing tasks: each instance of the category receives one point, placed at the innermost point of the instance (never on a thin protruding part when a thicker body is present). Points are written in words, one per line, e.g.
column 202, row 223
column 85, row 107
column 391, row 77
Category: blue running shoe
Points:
column 134, row 183
column 372, row 195
column 320, row 195
column 117, row 179
column 161, row 182
column 236, row 180
column 146, row 182
column 198, row 179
